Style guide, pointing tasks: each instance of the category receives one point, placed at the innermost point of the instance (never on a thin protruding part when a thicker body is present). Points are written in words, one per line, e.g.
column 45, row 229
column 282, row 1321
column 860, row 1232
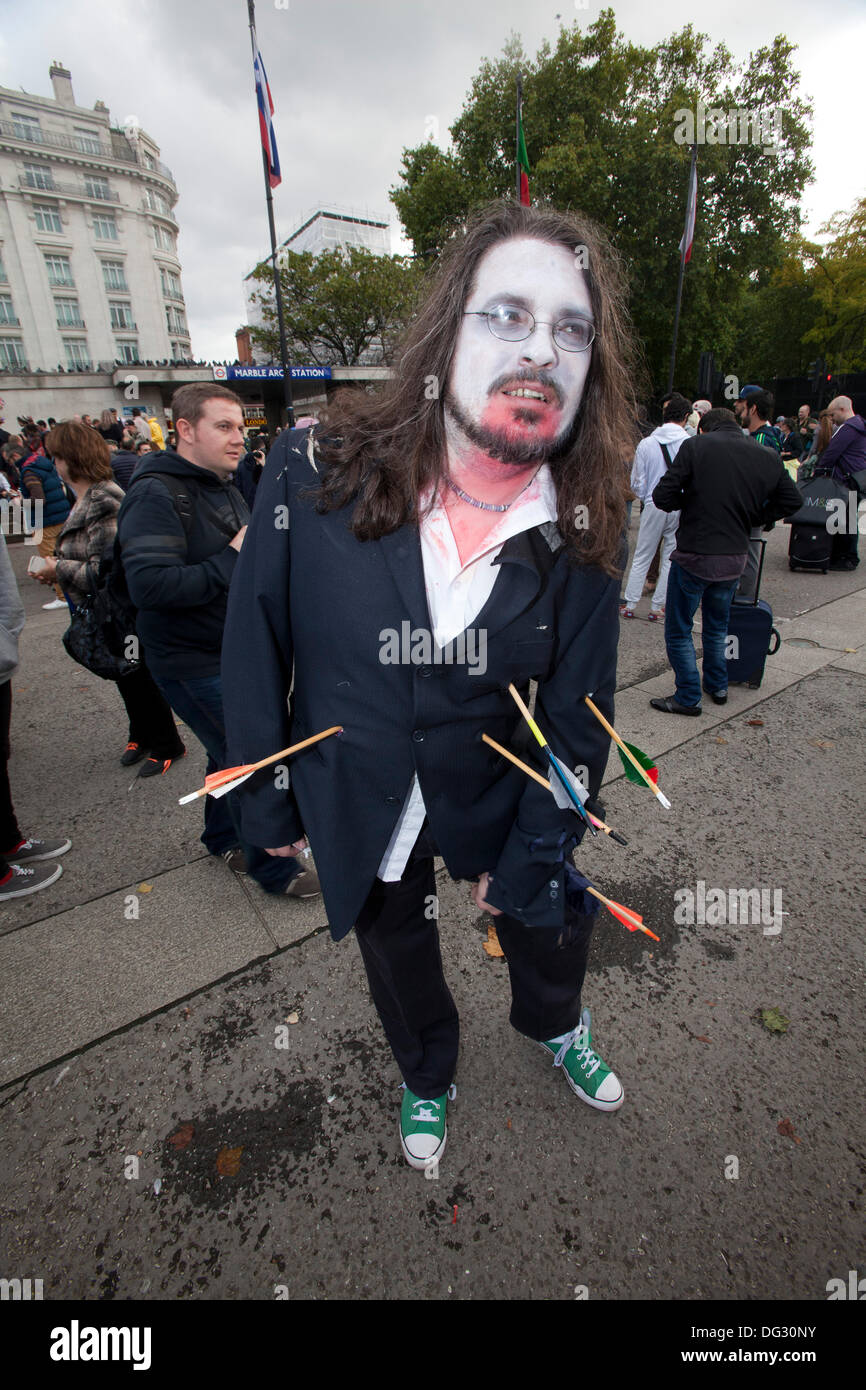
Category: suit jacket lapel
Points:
column 402, row 551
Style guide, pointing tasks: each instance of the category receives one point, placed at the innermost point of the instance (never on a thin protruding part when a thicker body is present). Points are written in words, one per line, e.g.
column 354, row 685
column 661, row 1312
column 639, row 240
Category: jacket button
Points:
column 392, row 801
column 425, row 671
column 418, row 736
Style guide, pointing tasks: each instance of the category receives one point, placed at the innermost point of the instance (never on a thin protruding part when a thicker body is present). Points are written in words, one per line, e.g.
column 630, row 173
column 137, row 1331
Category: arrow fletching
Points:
column 560, row 796
column 632, row 920
column 646, row 762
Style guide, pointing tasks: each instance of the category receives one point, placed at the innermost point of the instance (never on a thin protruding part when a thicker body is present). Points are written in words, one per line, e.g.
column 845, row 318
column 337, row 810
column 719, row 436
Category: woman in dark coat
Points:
column 82, row 459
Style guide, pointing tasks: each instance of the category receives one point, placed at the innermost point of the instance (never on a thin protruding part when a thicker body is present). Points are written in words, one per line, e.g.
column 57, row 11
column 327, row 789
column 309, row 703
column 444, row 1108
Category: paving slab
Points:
column 80, row 974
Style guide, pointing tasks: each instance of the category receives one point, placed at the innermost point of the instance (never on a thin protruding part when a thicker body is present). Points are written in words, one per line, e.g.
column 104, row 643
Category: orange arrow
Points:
column 218, row 783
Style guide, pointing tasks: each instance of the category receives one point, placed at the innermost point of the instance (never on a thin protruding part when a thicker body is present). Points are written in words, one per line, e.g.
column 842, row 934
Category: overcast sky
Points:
column 353, row 83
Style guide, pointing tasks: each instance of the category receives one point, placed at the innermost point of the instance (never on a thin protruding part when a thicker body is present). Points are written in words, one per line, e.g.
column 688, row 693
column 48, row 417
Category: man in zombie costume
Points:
column 482, row 491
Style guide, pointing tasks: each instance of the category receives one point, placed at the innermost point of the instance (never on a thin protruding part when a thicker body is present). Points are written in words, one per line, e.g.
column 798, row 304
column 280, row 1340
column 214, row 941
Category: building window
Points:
column 156, row 202
column 87, row 141
column 38, row 176
column 163, row 239
column 96, row 187
column 68, row 313
column 47, row 218
column 7, row 313
column 4, row 278
column 148, row 160
column 59, row 270
column 127, row 350
column 12, row 353
column 114, row 276
column 170, row 284
column 76, row 352
column 121, row 314
column 105, row 226
column 26, row 127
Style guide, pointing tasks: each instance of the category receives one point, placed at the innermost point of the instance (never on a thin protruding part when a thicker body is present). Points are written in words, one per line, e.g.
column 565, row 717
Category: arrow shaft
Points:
column 570, row 792
column 537, row 777
column 626, row 750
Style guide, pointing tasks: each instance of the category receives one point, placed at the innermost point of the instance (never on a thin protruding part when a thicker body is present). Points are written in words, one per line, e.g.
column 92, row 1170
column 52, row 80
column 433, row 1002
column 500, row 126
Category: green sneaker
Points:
column 585, row 1072
column 422, row 1127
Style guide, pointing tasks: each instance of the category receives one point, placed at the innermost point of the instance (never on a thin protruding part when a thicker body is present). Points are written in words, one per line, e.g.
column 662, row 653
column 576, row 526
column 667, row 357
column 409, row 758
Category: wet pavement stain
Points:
column 271, row 1140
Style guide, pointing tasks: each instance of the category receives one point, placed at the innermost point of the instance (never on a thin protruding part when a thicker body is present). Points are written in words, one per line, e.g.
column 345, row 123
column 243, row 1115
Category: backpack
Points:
column 112, row 607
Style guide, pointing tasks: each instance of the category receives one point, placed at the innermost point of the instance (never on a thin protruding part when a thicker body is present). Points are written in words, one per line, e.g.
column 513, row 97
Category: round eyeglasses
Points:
column 513, row 324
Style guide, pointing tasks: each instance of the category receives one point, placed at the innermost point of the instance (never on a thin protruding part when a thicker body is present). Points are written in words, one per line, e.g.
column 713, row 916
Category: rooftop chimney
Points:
column 61, row 81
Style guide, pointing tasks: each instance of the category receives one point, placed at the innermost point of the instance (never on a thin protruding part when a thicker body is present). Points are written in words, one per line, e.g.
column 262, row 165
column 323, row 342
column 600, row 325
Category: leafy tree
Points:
column 339, row 307
column 839, row 280
column 600, row 116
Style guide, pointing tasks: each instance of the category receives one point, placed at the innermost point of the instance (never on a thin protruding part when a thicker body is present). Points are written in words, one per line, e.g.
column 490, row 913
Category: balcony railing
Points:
column 66, row 190
column 9, row 321
column 73, row 146
column 173, row 294
column 123, row 327
column 156, row 212
column 71, row 323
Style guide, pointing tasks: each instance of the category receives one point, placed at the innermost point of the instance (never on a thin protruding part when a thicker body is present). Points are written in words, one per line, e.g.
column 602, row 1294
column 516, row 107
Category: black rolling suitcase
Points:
column 750, row 637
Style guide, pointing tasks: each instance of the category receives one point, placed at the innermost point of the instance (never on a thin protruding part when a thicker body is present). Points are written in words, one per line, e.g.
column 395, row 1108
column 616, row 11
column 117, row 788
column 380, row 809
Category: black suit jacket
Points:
column 308, row 597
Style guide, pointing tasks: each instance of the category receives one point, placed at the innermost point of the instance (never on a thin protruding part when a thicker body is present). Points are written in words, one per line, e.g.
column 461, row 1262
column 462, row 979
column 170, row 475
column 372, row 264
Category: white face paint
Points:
column 487, row 372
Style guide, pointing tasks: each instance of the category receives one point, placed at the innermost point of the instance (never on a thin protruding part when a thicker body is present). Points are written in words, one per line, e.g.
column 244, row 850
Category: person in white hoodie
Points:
column 652, row 458
column 25, row 865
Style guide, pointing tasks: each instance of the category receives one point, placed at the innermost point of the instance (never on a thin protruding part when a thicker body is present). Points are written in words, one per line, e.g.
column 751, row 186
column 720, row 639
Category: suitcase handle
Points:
column 774, row 632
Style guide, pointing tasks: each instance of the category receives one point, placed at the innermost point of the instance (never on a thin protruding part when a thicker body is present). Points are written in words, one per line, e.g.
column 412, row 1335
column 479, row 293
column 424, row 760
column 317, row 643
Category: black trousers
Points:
column 151, row 722
column 399, row 943
column 10, row 835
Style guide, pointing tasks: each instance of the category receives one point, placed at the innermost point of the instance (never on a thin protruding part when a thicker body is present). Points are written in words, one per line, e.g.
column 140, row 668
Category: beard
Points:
column 500, row 444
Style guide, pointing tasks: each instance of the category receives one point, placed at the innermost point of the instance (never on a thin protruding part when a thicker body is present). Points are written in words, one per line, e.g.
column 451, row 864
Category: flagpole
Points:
column 517, row 139
column 682, row 273
column 278, row 293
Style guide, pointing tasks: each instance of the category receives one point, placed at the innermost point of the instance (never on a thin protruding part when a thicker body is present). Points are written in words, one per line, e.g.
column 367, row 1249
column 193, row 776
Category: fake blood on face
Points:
column 521, row 417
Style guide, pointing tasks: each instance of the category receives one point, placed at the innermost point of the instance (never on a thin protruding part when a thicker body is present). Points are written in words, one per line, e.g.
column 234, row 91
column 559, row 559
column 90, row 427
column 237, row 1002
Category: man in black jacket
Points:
column 724, row 485
column 458, row 532
column 181, row 527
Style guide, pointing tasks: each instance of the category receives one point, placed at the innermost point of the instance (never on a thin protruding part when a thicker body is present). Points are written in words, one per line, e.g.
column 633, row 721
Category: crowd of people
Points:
column 433, row 514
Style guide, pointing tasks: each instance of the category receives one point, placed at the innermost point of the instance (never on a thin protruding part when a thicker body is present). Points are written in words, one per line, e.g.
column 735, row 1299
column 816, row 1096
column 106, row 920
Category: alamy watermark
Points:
column 720, row 907
column 418, row 647
column 739, row 126
column 22, row 516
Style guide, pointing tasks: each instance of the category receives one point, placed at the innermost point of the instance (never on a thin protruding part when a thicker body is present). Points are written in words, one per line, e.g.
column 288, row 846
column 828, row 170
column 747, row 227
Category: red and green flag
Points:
column 522, row 156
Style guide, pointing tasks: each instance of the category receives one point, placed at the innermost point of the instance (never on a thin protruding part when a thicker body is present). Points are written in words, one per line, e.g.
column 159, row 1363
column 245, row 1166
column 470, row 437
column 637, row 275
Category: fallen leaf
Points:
column 145, row 888
column 293, row 1018
column 187, row 1012
column 849, row 649
column 775, row 1021
column 821, row 742
column 785, row 1127
column 182, row 1138
column 701, row 1039
column 721, row 740
column 756, row 723
column 228, row 1162
column 491, row 945
column 508, row 1124
column 712, row 1002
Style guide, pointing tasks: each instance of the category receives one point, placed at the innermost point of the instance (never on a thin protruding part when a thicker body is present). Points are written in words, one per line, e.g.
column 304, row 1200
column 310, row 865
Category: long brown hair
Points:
column 824, row 432
column 385, row 449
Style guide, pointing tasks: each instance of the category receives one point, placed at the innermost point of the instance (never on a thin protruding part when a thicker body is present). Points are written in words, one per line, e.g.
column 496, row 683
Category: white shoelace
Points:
column 578, row 1038
column 423, row 1116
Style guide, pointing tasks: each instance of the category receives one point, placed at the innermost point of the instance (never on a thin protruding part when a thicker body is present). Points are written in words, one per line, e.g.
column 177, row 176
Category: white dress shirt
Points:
column 456, row 594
